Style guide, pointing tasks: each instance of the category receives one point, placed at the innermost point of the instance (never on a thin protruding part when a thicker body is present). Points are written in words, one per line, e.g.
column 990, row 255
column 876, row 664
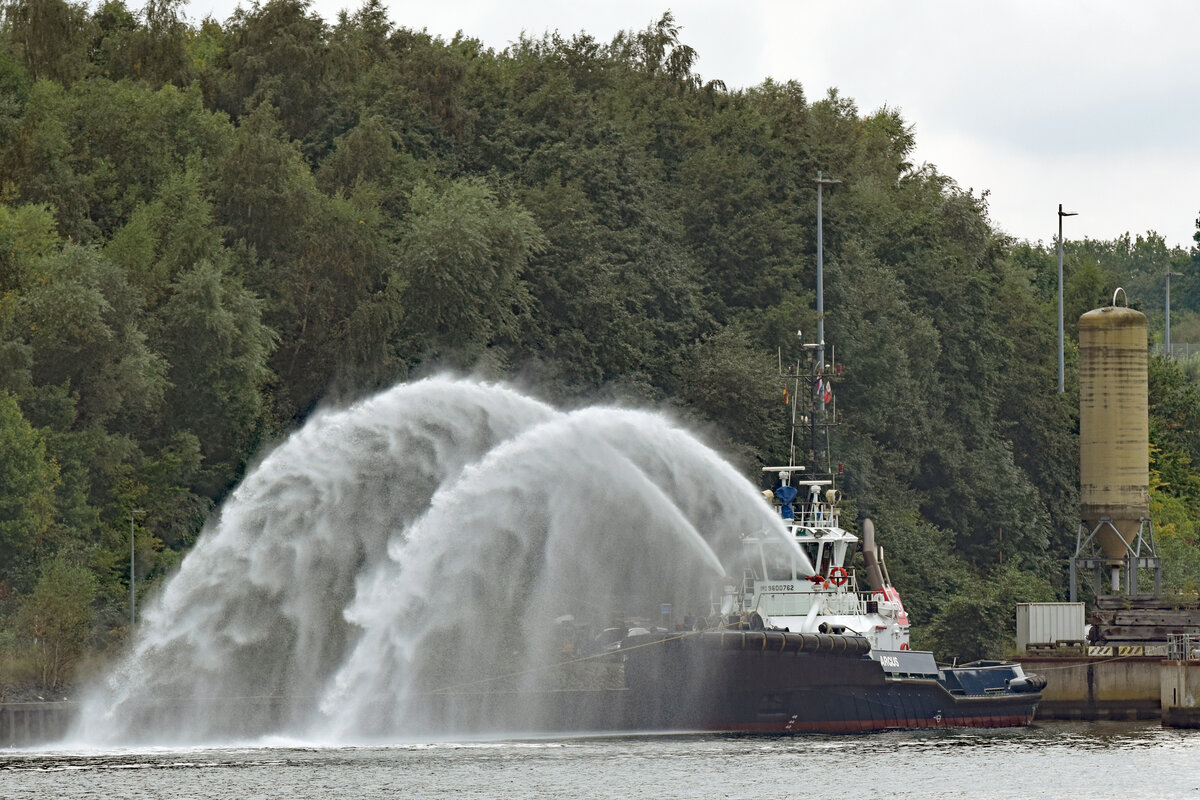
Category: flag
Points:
column 785, row 396
column 828, row 394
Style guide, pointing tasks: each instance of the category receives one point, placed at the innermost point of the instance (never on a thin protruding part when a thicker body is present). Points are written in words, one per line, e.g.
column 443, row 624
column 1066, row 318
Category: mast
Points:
column 820, row 368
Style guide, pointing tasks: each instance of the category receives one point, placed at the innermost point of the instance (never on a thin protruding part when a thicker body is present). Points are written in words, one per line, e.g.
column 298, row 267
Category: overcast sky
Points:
column 1091, row 103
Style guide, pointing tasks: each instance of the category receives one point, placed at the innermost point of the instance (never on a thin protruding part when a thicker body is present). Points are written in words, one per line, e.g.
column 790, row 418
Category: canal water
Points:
column 1052, row 760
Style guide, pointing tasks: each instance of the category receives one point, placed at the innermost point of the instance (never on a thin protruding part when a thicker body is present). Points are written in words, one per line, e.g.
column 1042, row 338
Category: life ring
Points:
column 838, row 576
column 904, row 645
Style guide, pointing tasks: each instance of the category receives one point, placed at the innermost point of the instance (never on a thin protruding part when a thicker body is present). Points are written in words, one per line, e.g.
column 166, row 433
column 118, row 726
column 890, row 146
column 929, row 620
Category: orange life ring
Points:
column 838, row 576
column 904, row 645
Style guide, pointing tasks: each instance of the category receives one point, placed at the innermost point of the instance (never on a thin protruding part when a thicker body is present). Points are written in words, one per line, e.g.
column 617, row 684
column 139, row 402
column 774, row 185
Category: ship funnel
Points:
column 871, row 555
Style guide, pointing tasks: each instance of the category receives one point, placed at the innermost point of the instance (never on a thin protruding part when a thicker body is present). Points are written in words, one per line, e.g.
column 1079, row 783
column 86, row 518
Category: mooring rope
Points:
column 1084, row 664
column 556, row 665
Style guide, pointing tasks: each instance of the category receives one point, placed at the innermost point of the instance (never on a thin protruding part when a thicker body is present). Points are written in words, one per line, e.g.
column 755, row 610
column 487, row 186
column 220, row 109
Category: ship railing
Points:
column 848, row 603
column 822, row 515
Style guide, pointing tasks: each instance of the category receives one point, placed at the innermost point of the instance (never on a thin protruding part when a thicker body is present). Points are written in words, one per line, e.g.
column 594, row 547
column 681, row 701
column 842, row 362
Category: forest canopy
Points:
column 208, row 229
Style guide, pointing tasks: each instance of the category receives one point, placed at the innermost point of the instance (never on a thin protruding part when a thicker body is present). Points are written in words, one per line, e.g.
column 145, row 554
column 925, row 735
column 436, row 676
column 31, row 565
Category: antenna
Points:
column 821, row 184
column 813, row 379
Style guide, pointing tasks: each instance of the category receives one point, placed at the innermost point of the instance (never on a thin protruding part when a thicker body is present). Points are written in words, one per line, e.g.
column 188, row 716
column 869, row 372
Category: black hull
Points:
column 768, row 682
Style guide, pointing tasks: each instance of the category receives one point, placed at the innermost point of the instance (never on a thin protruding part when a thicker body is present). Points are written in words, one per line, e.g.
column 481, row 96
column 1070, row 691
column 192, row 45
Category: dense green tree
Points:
column 167, row 236
column 1174, row 427
column 81, row 323
column 370, row 154
column 264, row 189
column 276, row 54
column 727, row 381
column 50, row 37
column 15, row 86
column 212, row 335
column 334, row 303
column 98, row 150
column 36, row 162
column 27, row 482
column 27, row 235
column 979, row 621
column 57, row 618
column 462, row 254
column 153, row 51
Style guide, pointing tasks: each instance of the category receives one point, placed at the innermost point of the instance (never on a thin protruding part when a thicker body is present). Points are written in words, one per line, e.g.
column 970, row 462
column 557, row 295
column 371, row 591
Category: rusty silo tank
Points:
column 1114, row 450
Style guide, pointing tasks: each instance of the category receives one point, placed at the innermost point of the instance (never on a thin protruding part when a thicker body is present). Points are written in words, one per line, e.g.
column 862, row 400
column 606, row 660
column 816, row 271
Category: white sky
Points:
column 1091, row 103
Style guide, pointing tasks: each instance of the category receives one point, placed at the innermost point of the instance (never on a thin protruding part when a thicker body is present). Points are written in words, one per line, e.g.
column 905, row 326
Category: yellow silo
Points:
column 1114, row 449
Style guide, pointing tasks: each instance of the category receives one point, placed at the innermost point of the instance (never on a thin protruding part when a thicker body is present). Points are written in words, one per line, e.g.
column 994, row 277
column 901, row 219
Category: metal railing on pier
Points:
column 1183, row 647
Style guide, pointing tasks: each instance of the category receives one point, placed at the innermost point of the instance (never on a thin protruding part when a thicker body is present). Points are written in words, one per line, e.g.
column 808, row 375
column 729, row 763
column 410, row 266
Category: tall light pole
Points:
column 1167, row 339
column 821, row 184
column 1062, row 384
column 132, row 597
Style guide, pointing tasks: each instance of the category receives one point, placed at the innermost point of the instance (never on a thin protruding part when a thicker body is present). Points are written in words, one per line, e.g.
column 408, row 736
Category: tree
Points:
column 264, row 190
column 462, row 254
column 978, row 622
column 736, row 386
column 169, row 235
column 57, row 618
column 212, row 335
column 50, row 36
column 27, row 482
column 26, row 235
column 98, row 150
column 82, row 324
column 335, row 303
column 275, row 53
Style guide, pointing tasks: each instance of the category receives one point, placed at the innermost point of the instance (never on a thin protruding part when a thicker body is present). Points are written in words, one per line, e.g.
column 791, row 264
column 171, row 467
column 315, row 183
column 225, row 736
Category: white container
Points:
column 1048, row 623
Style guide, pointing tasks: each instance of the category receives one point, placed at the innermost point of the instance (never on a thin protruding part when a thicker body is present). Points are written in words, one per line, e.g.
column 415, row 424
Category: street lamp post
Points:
column 1062, row 384
column 1167, row 338
column 821, row 184
column 132, row 597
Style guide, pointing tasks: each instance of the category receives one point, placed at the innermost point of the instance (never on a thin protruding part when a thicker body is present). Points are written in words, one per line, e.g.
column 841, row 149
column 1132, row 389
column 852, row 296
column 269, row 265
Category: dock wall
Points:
column 1084, row 688
column 32, row 724
column 1180, row 691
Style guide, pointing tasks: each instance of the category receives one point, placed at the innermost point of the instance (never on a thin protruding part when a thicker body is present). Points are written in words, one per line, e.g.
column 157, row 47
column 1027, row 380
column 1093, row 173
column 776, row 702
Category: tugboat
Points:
column 799, row 652
column 799, row 645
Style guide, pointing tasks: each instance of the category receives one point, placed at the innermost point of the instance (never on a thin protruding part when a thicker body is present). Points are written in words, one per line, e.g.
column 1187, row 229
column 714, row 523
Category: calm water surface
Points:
column 1059, row 760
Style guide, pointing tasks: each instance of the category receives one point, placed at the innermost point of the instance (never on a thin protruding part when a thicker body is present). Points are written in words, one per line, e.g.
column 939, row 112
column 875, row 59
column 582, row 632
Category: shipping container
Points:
column 1048, row 623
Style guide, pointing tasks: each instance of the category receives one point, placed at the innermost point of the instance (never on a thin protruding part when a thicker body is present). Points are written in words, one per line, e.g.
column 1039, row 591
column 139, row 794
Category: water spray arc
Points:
column 427, row 536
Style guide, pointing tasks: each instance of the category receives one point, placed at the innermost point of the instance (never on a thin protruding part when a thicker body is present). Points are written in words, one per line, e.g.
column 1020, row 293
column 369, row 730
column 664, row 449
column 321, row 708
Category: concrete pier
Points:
column 1180, row 694
column 31, row 724
column 1091, row 688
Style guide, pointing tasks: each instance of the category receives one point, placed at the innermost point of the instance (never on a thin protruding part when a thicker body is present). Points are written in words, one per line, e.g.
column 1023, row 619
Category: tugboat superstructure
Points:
column 819, row 593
